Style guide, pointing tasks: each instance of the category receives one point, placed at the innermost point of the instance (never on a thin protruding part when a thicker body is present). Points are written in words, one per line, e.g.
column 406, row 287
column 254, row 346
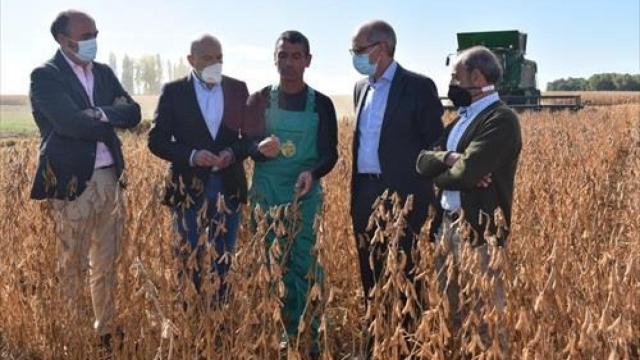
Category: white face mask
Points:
column 212, row 74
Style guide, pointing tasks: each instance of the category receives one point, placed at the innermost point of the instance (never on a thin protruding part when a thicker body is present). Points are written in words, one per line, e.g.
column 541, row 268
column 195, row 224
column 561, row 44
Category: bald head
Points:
column 378, row 31
column 73, row 24
column 204, row 43
column 72, row 27
column 205, row 50
column 482, row 59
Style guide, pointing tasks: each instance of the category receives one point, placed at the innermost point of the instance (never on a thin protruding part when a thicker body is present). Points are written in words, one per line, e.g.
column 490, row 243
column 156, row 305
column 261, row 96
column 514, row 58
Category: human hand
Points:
column 205, row 158
column 451, row 158
column 485, row 181
column 270, row 146
column 304, row 183
column 225, row 158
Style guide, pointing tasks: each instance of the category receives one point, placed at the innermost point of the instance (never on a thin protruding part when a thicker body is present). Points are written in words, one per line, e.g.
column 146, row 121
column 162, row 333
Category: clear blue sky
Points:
column 566, row 38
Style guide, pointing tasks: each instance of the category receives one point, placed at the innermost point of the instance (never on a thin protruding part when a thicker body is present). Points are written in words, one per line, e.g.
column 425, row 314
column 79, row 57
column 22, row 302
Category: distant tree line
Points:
column 146, row 74
column 598, row 82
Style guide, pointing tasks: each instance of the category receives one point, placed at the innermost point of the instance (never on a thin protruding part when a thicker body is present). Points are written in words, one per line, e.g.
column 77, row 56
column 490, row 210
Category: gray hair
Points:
column 204, row 39
column 481, row 58
column 381, row 31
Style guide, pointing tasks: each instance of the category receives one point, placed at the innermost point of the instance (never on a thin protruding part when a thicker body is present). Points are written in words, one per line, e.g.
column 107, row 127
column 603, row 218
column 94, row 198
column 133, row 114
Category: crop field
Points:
column 571, row 267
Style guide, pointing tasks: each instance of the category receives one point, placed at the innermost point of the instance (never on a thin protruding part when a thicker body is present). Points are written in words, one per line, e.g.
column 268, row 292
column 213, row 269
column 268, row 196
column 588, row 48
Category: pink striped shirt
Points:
column 85, row 76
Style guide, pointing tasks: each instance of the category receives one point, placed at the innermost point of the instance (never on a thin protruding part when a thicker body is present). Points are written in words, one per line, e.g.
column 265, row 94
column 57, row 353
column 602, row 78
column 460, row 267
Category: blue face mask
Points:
column 87, row 50
column 362, row 65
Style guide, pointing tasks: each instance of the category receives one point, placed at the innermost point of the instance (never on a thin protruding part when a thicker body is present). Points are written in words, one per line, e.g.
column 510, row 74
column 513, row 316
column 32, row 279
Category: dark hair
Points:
column 61, row 24
column 295, row 37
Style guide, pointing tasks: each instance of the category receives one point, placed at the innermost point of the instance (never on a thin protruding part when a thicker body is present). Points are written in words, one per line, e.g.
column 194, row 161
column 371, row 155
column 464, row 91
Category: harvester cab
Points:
column 518, row 87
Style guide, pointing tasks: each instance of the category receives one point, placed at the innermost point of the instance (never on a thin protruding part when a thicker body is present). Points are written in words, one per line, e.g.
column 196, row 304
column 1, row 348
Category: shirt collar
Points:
column 200, row 84
column 477, row 106
column 74, row 66
column 387, row 76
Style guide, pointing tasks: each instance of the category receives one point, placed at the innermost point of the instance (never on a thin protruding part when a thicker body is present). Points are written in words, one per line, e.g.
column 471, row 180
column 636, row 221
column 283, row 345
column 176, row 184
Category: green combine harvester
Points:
column 518, row 87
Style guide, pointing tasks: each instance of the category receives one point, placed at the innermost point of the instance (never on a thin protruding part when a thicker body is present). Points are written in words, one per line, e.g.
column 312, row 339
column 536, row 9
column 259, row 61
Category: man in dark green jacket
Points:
column 475, row 160
column 474, row 166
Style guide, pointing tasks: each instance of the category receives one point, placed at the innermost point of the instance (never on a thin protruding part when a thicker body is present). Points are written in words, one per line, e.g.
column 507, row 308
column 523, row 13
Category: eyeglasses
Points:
column 364, row 49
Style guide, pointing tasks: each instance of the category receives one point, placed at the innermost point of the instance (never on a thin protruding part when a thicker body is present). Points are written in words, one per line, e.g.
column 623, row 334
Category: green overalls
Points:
column 273, row 185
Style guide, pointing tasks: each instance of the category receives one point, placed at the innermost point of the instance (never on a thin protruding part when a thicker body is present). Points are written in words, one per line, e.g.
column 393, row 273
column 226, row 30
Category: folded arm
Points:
column 50, row 97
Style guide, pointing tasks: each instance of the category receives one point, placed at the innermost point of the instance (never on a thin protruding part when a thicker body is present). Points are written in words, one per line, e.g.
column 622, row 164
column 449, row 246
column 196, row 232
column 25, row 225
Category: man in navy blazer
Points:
column 77, row 105
column 398, row 113
column 197, row 128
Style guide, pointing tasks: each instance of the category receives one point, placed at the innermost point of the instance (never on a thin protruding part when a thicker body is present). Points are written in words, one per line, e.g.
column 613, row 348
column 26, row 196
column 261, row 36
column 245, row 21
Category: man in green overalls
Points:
column 294, row 145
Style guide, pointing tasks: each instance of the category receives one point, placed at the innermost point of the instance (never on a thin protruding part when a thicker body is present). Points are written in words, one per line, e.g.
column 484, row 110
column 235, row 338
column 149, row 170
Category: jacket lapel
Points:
column 101, row 87
column 76, row 86
column 361, row 96
column 226, row 97
column 467, row 136
column 190, row 91
column 98, row 86
column 395, row 95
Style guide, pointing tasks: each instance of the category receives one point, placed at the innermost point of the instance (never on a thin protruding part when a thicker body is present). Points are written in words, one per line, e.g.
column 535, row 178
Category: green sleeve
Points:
column 431, row 163
column 483, row 155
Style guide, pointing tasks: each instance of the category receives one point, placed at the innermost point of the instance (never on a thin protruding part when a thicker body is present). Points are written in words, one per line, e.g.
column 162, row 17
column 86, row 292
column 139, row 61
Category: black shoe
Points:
column 106, row 341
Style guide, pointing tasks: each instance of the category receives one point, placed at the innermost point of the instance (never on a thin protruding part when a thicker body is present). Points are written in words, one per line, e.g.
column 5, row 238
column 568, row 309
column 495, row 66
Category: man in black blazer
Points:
column 197, row 127
column 398, row 114
column 77, row 104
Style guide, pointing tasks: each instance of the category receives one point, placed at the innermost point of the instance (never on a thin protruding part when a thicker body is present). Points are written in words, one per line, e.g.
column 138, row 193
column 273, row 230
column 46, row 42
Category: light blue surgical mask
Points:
column 87, row 50
column 362, row 65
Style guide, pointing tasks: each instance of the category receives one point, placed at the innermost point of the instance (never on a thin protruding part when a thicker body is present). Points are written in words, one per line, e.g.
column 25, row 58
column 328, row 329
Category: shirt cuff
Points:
column 193, row 153
column 103, row 116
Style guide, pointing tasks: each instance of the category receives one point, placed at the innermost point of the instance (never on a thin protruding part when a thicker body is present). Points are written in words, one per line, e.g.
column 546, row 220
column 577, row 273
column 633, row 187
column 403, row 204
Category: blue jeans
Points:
column 187, row 226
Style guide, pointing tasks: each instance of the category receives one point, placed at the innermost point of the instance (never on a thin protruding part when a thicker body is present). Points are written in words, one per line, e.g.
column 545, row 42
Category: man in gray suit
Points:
column 77, row 104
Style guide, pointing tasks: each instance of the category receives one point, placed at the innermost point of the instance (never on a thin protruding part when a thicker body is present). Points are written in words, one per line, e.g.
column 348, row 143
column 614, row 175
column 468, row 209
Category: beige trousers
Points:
column 454, row 258
column 88, row 231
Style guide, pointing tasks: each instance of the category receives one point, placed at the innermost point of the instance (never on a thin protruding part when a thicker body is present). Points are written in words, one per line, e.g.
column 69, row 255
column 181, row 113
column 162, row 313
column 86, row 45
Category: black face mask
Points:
column 459, row 96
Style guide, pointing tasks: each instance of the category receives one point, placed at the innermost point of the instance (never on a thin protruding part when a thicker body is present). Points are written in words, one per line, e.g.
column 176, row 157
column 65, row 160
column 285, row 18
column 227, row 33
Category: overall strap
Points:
column 274, row 97
column 311, row 100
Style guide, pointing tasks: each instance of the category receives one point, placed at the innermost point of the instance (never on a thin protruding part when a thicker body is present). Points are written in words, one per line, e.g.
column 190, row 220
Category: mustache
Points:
column 286, row 69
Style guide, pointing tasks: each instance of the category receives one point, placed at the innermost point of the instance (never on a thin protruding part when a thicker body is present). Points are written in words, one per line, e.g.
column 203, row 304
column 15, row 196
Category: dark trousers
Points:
column 365, row 192
column 190, row 228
